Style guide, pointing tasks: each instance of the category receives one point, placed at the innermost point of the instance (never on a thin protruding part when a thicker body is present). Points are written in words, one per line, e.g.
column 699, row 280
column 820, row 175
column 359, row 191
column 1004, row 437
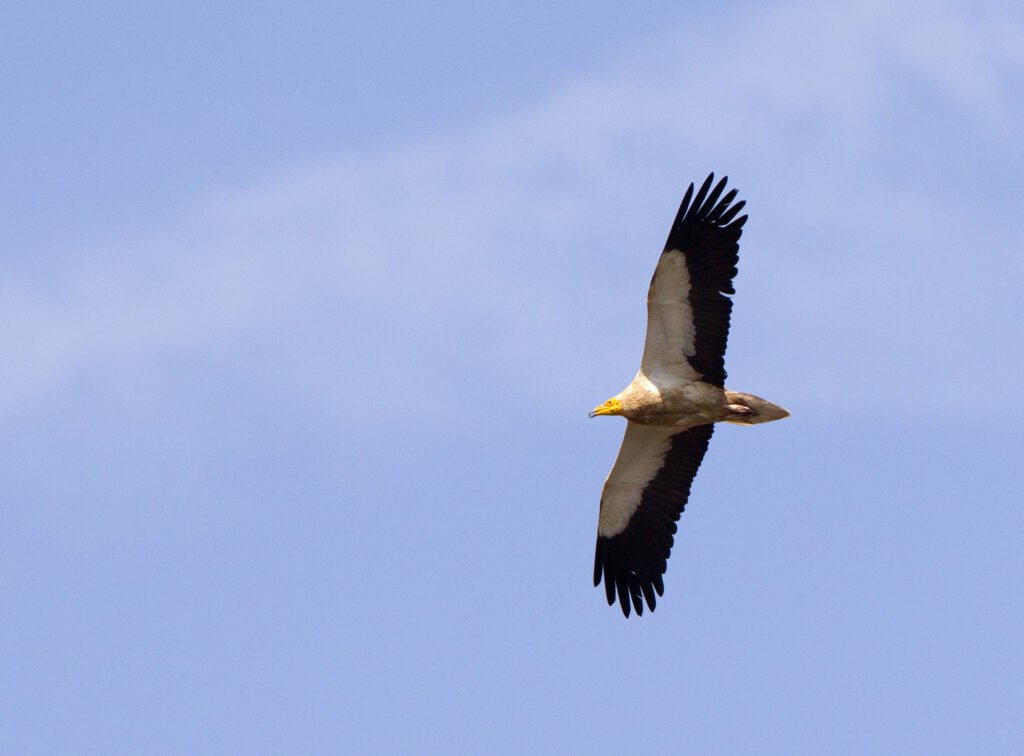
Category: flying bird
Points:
column 675, row 399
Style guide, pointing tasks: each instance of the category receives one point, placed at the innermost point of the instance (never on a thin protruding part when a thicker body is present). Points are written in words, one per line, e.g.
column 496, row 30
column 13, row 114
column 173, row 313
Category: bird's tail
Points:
column 747, row 409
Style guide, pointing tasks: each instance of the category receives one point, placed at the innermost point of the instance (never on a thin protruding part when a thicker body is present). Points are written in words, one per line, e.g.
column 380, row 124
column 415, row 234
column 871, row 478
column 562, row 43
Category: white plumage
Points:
column 670, row 330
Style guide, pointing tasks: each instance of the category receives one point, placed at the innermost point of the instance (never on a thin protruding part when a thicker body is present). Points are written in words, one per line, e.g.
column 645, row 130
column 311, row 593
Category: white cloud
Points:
column 510, row 256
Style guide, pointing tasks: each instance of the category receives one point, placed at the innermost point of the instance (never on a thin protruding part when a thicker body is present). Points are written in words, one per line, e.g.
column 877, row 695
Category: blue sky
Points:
column 304, row 308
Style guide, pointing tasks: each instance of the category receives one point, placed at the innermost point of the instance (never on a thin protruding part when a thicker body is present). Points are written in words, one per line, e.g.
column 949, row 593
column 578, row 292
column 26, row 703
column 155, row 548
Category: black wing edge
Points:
column 707, row 231
column 633, row 562
column 704, row 211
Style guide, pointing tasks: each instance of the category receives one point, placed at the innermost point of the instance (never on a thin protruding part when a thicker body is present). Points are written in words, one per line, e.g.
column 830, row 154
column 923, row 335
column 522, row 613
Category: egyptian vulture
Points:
column 677, row 396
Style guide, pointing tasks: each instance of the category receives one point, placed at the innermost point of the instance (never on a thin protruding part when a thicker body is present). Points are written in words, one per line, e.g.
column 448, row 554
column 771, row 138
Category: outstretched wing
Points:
column 643, row 497
column 687, row 307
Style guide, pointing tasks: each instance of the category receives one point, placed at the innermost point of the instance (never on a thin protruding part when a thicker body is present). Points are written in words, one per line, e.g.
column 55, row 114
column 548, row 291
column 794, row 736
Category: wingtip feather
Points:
column 698, row 201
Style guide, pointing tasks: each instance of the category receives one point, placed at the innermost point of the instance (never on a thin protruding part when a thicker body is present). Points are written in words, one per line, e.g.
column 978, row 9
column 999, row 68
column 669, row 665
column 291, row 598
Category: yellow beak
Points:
column 611, row 407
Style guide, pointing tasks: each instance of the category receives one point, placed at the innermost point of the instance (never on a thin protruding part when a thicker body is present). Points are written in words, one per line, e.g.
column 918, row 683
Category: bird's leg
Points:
column 748, row 409
column 740, row 413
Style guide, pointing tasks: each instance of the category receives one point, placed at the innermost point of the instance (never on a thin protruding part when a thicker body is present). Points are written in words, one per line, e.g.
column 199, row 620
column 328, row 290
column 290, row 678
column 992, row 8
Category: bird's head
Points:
column 612, row 407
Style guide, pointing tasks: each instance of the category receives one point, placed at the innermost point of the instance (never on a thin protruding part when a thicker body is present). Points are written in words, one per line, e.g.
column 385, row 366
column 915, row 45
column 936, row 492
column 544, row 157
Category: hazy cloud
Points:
column 511, row 255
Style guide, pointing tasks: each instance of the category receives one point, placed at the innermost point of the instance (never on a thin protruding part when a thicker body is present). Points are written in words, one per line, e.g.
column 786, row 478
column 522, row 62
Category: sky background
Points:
column 303, row 307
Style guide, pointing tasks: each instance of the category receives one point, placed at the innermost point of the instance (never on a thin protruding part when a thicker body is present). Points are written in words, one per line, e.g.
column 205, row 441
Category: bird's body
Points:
column 674, row 400
column 682, row 404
